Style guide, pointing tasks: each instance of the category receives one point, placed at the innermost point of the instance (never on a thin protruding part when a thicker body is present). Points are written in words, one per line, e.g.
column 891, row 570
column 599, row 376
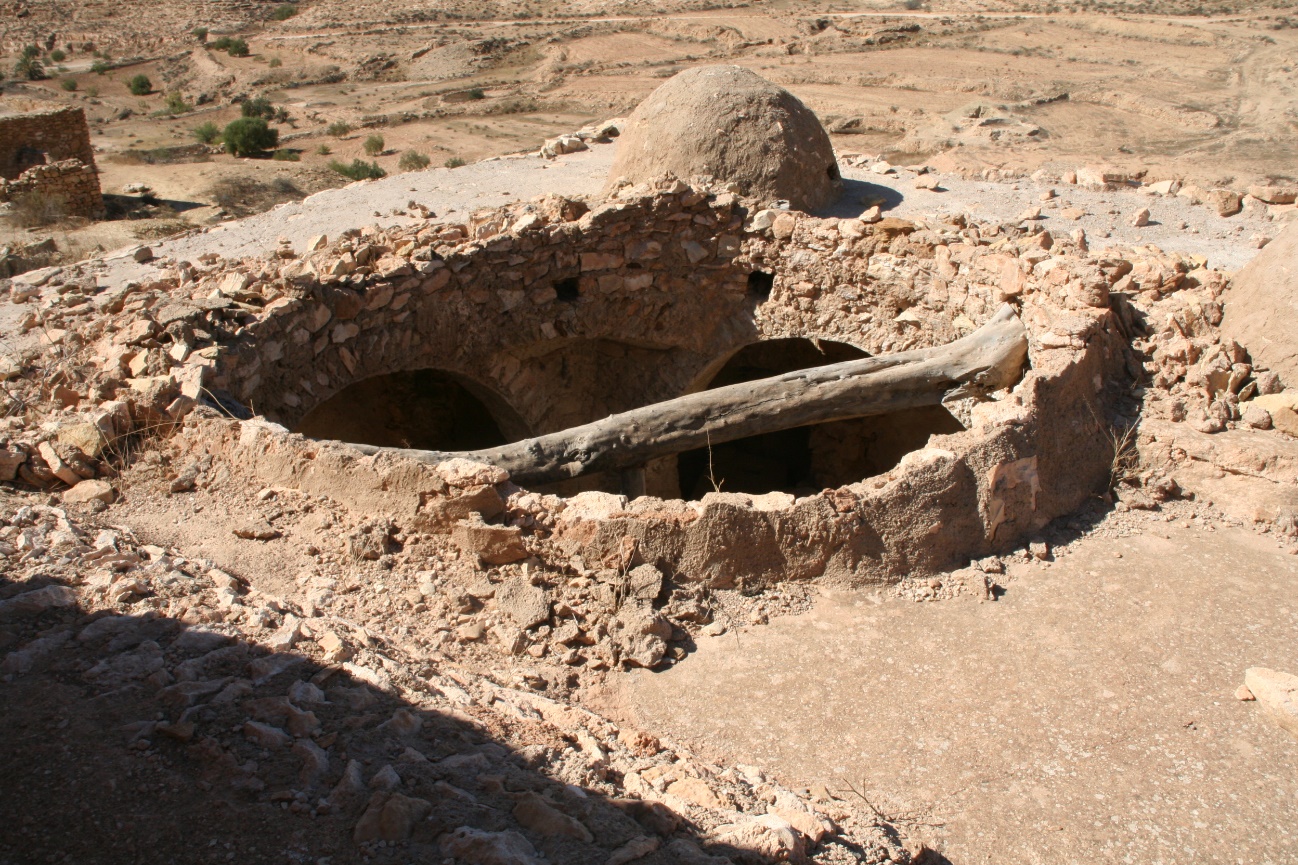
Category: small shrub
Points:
column 207, row 132
column 58, row 56
column 358, row 169
column 176, row 103
column 68, row 84
column 249, row 135
column 323, row 150
column 92, row 92
column 373, row 145
column 238, row 48
column 29, row 52
column 284, row 11
column 476, row 93
column 199, row 33
column 258, row 107
column 99, row 67
column 413, row 161
column 245, row 195
column 221, row 43
column 338, row 129
column 28, row 68
column 36, row 208
column 286, row 156
column 140, row 85
column 454, row 162
column 275, row 63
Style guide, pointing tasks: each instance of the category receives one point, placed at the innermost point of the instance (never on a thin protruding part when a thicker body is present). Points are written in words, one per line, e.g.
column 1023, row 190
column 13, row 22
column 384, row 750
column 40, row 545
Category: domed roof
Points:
column 732, row 124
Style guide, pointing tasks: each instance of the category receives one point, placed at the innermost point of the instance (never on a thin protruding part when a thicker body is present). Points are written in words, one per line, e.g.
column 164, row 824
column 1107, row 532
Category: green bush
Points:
column 238, row 48
column 199, row 33
column 284, row 11
column 275, row 63
column 176, row 103
column 412, row 160
column 339, row 129
column 140, row 85
column 454, row 162
column 221, row 43
column 358, row 169
column 28, row 68
column 476, row 93
column 68, row 84
column 92, row 92
column 373, row 145
column 258, row 107
column 58, row 56
column 323, row 150
column 207, row 132
column 99, row 67
column 286, row 156
column 249, row 135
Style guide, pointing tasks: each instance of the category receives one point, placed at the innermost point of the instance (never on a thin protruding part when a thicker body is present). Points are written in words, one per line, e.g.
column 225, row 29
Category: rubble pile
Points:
column 368, row 735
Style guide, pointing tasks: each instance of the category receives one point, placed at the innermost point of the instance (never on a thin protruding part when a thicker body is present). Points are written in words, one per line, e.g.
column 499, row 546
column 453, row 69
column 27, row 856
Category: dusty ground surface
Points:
column 1088, row 715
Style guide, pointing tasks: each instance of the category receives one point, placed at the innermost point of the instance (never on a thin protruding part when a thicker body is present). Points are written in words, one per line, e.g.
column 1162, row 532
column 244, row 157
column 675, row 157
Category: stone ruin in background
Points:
column 46, row 152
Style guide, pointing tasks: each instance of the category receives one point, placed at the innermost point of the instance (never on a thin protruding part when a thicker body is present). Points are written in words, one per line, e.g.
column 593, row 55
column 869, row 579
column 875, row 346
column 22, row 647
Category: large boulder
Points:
column 734, row 125
column 1262, row 307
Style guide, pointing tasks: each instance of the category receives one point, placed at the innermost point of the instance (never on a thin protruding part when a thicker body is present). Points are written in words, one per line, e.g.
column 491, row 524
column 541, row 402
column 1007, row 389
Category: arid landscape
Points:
column 420, row 443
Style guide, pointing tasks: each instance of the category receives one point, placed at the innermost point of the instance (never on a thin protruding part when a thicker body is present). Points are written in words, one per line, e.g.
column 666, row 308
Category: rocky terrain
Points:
column 222, row 642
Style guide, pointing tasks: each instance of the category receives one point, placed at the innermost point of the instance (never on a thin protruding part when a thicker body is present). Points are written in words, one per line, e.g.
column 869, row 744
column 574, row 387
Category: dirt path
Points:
column 1087, row 716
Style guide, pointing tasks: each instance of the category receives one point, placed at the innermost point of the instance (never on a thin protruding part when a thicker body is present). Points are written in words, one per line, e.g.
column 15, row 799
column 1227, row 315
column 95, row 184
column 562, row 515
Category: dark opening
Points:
column 426, row 409
column 760, row 284
column 568, row 289
column 808, row 459
column 832, row 171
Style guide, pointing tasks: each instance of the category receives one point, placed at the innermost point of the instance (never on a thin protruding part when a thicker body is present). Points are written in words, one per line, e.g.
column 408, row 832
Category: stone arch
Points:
column 803, row 460
column 428, row 409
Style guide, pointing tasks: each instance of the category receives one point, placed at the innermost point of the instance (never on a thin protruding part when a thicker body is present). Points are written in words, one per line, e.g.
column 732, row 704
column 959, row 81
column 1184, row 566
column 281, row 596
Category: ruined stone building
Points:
column 46, row 151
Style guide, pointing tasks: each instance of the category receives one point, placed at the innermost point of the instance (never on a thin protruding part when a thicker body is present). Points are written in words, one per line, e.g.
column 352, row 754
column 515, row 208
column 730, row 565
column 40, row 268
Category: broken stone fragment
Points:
column 538, row 815
column 640, row 635
column 390, row 817
column 90, row 491
column 494, row 545
column 259, row 530
column 523, row 602
column 476, row 847
column 1276, row 694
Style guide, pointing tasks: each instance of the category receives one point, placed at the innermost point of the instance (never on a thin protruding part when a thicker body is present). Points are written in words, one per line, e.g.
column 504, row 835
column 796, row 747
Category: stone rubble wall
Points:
column 72, row 184
column 492, row 298
column 59, row 133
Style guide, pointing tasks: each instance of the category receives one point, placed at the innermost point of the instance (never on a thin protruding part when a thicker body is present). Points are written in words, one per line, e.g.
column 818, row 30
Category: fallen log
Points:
column 989, row 359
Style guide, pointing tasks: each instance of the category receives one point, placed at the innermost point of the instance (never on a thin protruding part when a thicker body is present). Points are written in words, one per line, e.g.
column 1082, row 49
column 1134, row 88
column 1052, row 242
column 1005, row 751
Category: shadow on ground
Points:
column 147, row 739
column 858, row 196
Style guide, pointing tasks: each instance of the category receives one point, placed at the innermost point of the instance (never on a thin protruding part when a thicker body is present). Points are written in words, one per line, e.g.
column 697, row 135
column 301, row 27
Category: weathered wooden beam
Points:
column 986, row 360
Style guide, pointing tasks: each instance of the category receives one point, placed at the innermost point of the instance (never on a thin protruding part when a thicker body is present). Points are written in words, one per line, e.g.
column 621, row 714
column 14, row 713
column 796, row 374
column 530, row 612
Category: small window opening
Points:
column 760, row 284
column 568, row 289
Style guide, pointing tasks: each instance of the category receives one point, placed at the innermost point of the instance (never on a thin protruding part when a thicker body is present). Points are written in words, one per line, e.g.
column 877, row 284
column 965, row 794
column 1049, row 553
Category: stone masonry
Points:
column 49, row 152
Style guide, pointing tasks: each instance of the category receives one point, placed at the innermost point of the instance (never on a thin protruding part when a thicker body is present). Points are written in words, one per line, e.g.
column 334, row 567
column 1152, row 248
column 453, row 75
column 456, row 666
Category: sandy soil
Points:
column 1086, row 716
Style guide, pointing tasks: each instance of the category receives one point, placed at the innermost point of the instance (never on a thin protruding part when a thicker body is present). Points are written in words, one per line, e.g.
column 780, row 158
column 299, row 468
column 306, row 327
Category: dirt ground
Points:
column 1088, row 715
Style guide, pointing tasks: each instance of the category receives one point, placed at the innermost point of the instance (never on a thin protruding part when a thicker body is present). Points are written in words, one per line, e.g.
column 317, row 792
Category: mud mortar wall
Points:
column 662, row 300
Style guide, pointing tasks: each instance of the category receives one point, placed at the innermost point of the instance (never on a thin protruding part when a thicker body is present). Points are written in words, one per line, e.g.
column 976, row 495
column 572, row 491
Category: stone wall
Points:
column 70, row 184
column 39, row 137
column 48, row 152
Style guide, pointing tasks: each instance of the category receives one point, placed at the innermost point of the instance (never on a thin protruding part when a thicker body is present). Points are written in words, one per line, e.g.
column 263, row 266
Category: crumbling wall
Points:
column 48, row 153
column 72, row 186
column 38, row 137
